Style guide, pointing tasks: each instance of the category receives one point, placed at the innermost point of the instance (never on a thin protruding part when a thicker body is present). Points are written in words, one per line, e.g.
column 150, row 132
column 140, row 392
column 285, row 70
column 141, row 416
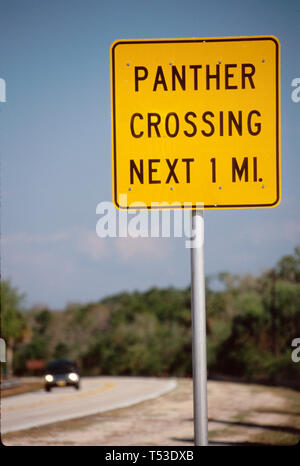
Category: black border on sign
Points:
column 193, row 206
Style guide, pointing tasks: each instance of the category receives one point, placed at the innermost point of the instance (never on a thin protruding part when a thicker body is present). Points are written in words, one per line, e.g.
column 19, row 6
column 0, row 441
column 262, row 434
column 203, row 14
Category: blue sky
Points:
column 55, row 142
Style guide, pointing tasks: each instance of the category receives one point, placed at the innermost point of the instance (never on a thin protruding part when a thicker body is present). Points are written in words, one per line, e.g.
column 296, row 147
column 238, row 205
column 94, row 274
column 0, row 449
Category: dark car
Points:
column 61, row 373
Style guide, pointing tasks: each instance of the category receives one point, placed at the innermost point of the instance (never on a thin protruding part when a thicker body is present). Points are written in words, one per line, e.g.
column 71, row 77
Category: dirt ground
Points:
column 239, row 414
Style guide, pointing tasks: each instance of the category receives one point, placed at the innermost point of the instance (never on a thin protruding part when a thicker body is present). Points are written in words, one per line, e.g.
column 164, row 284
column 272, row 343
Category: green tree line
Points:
column 251, row 322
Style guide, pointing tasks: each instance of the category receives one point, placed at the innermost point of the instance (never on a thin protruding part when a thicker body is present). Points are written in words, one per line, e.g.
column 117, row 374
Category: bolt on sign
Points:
column 196, row 122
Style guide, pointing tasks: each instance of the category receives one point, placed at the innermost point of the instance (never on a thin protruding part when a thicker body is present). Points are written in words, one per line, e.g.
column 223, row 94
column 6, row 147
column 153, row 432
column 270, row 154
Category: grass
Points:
column 25, row 387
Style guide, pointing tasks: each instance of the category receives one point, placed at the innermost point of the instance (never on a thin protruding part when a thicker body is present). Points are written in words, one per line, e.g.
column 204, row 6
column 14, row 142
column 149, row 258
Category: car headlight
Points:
column 49, row 378
column 74, row 377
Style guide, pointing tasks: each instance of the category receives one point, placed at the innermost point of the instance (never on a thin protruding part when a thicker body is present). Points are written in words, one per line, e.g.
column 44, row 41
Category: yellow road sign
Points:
column 196, row 122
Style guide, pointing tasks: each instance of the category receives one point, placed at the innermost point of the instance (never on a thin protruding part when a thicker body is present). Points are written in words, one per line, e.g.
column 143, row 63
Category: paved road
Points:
column 97, row 394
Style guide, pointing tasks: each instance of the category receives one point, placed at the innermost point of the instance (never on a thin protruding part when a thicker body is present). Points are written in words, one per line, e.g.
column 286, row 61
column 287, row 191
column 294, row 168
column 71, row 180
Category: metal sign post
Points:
column 196, row 119
column 199, row 329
